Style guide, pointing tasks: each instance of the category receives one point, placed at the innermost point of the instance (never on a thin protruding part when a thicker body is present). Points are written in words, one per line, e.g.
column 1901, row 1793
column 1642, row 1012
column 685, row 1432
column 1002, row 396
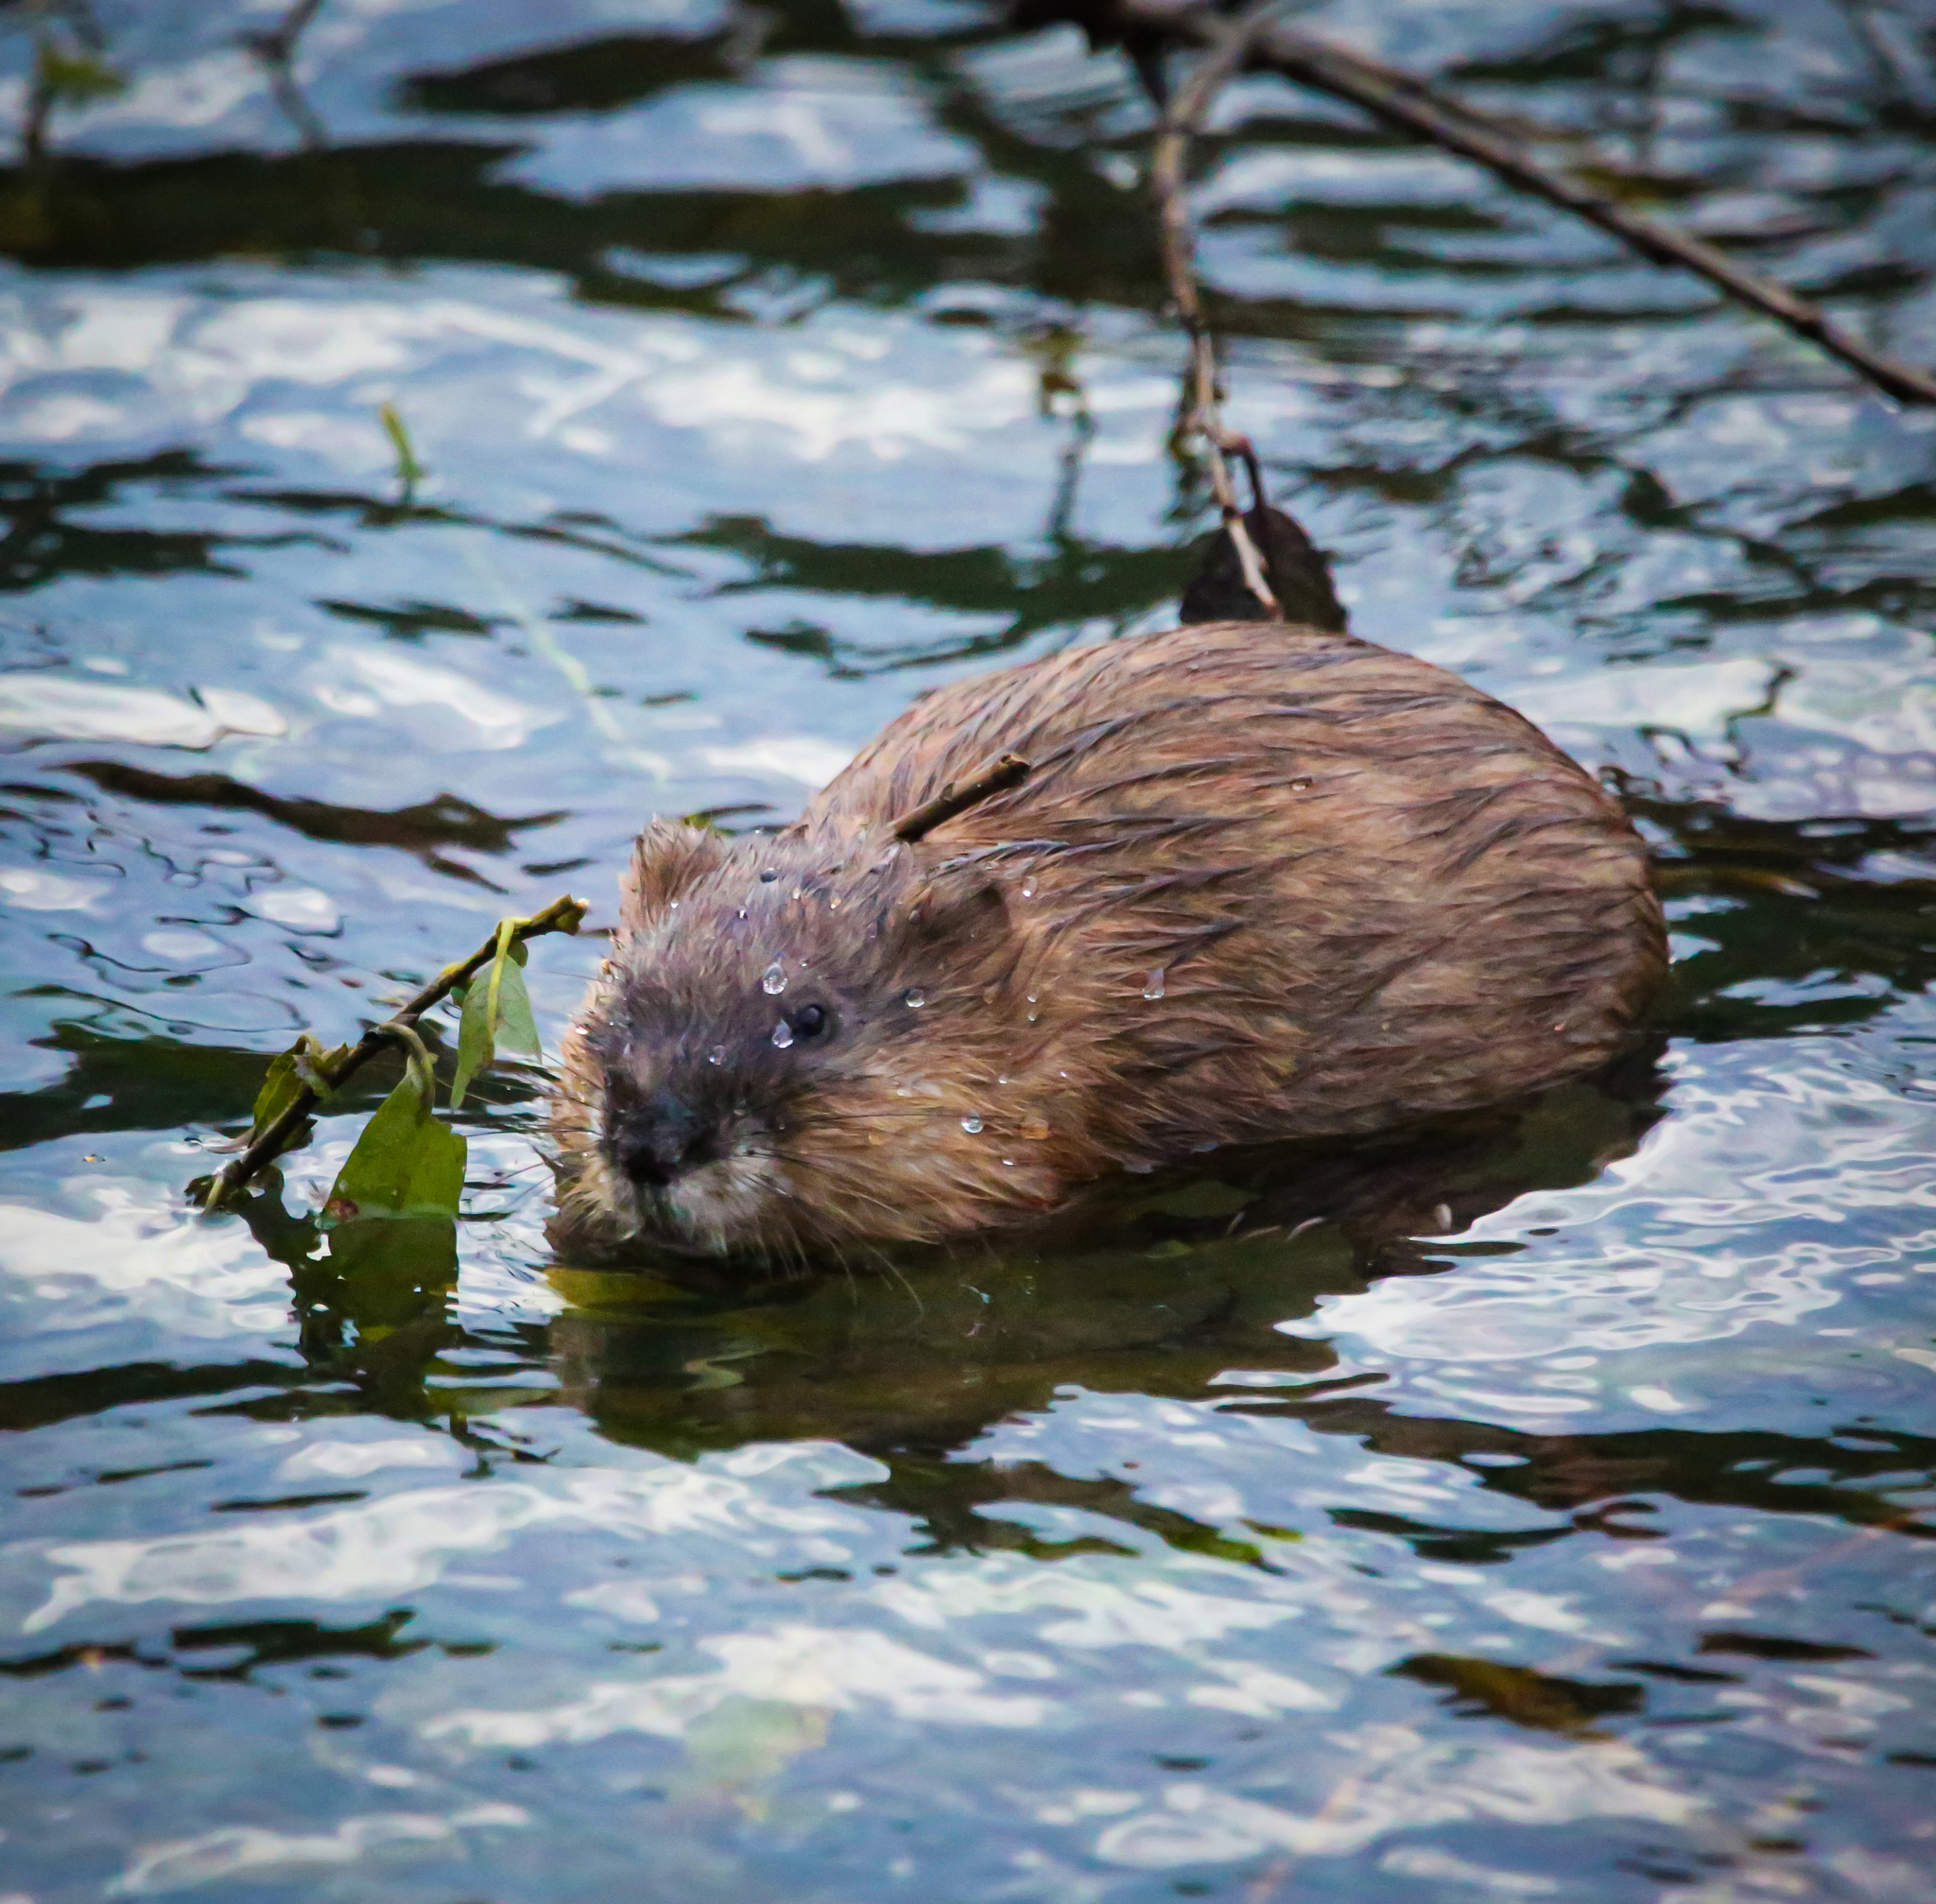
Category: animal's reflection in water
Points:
column 1153, row 1285
column 1155, row 1288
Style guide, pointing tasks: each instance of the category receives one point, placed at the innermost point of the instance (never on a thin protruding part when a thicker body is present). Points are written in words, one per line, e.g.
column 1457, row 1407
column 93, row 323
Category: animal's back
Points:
column 1272, row 881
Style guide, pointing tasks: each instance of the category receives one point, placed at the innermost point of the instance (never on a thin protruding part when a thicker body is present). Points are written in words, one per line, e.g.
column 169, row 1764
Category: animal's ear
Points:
column 961, row 907
column 670, row 857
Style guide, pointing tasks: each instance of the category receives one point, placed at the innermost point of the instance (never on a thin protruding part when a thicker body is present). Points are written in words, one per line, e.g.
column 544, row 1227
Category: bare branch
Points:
column 1202, row 413
column 997, row 777
column 1404, row 101
column 561, row 915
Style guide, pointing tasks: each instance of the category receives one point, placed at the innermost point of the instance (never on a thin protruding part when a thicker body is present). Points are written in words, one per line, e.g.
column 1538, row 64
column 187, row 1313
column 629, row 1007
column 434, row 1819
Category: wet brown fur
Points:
column 1260, row 883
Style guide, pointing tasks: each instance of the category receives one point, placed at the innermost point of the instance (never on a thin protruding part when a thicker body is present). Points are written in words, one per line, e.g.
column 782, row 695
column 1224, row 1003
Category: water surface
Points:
column 1553, row 1520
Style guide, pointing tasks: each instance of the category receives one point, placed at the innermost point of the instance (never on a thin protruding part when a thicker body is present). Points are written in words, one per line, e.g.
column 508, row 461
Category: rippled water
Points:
column 1553, row 1520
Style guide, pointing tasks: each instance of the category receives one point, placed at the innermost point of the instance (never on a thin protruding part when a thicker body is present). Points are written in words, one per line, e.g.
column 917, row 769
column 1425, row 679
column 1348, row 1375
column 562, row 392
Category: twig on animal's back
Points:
column 1413, row 106
column 561, row 915
column 1202, row 413
column 997, row 777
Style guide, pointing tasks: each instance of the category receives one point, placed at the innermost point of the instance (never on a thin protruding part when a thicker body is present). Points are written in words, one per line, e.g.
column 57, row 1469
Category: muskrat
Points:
column 1262, row 882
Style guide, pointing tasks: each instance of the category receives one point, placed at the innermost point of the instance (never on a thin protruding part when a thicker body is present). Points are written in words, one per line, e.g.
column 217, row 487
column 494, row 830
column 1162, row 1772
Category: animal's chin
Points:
column 738, row 1204
column 732, row 1204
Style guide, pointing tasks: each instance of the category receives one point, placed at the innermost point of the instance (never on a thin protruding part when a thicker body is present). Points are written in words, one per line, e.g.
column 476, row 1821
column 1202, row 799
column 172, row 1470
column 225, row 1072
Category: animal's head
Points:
column 797, row 1042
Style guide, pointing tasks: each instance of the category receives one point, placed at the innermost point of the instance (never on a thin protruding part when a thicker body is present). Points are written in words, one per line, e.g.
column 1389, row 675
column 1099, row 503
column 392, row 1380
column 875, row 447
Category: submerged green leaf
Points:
column 405, row 1164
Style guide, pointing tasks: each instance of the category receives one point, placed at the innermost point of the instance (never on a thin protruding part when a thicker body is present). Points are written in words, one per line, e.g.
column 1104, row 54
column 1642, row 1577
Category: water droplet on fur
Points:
column 972, row 1125
column 1300, row 785
column 783, row 1034
column 914, row 997
column 771, row 875
column 742, row 911
column 1028, row 887
column 1033, row 1016
column 773, row 980
column 1007, row 1163
column 1152, row 986
column 717, row 1055
column 673, row 905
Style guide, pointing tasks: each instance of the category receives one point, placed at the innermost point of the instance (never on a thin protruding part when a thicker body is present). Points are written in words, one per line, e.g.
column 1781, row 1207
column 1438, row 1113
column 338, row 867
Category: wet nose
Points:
column 661, row 1140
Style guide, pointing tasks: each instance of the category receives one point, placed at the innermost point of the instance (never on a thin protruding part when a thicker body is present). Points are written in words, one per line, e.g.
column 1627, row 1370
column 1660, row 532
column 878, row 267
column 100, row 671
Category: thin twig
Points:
column 997, row 777
column 1404, row 101
column 1201, row 410
column 276, row 49
column 561, row 915
column 278, row 42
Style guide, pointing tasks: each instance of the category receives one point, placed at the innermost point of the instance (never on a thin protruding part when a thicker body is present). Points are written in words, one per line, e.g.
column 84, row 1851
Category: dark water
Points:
column 1555, row 1522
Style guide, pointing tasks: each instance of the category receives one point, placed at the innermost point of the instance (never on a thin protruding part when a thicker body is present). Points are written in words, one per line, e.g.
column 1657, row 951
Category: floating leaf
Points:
column 599, row 1291
column 405, row 1164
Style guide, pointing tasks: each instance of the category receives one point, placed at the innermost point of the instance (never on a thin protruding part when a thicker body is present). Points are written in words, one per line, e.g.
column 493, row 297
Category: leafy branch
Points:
column 406, row 1162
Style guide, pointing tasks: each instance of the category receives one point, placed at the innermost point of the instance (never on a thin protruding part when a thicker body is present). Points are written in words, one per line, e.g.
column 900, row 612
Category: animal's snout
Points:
column 660, row 1140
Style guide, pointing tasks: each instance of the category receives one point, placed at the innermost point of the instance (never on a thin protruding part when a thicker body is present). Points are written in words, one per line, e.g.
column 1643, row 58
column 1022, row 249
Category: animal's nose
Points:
column 661, row 1140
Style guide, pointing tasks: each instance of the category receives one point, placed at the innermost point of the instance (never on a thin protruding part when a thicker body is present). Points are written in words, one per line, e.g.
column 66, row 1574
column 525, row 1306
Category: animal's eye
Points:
column 810, row 1021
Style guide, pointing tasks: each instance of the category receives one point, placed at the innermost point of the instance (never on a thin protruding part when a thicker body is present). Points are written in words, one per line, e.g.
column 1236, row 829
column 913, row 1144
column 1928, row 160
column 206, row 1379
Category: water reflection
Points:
column 1161, row 1286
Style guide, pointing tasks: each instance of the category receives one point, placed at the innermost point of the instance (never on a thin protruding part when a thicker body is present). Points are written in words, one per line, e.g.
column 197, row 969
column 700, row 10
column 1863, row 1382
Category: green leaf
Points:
column 516, row 1030
column 409, row 471
column 474, row 1040
column 278, row 1091
column 73, row 79
column 497, row 1015
column 305, row 1062
column 405, row 1164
